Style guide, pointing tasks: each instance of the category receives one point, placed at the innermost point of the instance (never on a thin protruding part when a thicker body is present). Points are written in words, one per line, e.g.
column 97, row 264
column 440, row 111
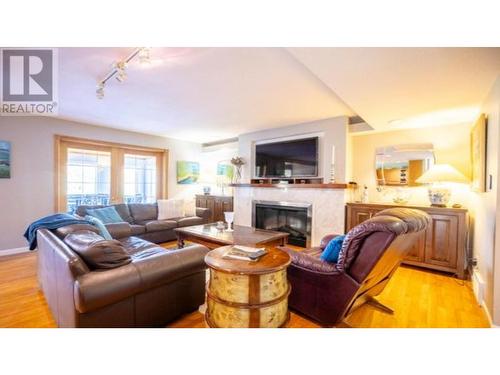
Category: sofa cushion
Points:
column 163, row 267
column 124, row 212
column 188, row 221
column 64, row 231
column 119, row 230
column 138, row 247
column 97, row 252
column 158, row 225
column 137, row 229
column 143, row 211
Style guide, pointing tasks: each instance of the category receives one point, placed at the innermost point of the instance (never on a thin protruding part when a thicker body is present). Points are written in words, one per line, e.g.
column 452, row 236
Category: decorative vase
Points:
column 237, row 174
column 439, row 196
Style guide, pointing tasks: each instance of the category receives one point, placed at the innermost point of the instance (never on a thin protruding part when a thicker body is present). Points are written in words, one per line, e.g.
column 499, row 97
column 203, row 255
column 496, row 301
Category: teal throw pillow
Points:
column 107, row 215
column 100, row 225
column 332, row 250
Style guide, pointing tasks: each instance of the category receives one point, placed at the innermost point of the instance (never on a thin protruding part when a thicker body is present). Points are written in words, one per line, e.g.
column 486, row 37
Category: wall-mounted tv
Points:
column 287, row 159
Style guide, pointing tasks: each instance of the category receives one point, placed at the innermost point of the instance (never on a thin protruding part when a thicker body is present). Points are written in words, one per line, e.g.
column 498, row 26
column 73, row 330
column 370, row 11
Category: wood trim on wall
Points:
column 117, row 151
column 87, row 141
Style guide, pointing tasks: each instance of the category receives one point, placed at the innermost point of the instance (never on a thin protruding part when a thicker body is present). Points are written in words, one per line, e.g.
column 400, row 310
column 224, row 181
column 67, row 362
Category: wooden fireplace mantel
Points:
column 292, row 186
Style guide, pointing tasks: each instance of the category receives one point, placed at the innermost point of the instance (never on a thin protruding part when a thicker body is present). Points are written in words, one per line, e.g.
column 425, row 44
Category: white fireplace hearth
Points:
column 327, row 206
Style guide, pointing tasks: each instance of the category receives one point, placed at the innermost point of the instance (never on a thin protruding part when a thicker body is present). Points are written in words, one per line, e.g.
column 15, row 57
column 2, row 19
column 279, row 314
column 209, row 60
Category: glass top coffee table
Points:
column 211, row 237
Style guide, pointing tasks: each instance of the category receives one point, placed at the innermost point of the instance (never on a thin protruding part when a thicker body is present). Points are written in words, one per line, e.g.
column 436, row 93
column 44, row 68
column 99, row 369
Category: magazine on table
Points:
column 244, row 253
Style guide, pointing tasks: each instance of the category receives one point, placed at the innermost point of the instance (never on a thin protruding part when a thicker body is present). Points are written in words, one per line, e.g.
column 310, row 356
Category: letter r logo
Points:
column 27, row 75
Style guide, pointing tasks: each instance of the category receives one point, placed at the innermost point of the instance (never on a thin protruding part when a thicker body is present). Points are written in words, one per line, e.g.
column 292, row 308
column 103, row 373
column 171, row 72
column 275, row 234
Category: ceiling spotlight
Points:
column 118, row 69
column 121, row 75
column 145, row 55
column 100, row 90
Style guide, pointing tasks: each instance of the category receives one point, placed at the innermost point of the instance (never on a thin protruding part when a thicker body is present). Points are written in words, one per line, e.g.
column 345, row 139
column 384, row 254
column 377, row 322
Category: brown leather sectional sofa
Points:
column 130, row 282
column 140, row 220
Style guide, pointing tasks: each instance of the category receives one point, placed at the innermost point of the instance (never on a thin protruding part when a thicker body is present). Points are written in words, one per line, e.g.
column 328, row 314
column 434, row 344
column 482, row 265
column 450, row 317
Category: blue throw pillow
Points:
column 332, row 250
column 99, row 224
column 107, row 215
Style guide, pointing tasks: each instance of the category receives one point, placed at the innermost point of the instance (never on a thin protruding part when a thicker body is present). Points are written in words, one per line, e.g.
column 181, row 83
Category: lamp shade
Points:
column 441, row 173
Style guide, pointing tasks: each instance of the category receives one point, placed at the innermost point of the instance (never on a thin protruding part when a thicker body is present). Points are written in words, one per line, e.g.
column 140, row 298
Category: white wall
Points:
column 210, row 158
column 486, row 249
column 333, row 132
column 29, row 193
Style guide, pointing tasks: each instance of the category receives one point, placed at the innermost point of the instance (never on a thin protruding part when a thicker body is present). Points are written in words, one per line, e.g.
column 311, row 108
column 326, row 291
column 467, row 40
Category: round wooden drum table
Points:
column 246, row 294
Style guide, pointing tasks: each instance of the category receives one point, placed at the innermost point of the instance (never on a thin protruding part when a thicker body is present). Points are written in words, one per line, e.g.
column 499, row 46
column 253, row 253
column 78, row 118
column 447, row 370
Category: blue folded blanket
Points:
column 50, row 222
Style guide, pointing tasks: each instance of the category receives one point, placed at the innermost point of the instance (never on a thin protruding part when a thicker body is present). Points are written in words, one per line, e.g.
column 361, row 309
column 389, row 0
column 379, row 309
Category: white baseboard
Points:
column 478, row 289
column 488, row 316
column 478, row 286
column 18, row 250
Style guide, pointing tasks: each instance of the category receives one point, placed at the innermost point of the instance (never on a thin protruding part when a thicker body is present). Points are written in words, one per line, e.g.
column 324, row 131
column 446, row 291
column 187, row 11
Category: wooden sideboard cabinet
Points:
column 218, row 204
column 441, row 247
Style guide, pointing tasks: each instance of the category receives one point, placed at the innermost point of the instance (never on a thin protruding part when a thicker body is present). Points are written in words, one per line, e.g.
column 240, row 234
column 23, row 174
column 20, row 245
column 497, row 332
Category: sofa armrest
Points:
column 101, row 288
column 310, row 263
column 119, row 230
column 204, row 213
column 326, row 239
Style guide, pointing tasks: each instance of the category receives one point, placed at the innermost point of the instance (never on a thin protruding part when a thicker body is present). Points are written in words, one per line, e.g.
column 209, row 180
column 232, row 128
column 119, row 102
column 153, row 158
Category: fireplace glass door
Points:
column 292, row 220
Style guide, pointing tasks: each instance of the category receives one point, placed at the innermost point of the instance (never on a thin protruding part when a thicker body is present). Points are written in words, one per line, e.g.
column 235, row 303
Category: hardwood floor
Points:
column 419, row 298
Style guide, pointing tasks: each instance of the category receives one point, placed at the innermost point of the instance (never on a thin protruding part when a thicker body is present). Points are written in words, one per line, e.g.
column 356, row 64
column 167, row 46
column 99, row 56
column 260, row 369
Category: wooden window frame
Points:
column 117, row 150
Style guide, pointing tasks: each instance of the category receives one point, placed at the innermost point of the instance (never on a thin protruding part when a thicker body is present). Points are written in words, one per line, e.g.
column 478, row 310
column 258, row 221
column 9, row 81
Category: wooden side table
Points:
column 245, row 294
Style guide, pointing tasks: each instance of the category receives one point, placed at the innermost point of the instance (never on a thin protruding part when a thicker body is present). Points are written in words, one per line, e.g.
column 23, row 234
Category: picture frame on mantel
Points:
column 478, row 139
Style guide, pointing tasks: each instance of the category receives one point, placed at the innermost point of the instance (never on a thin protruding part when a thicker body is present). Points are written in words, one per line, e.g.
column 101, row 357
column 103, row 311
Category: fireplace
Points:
column 290, row 217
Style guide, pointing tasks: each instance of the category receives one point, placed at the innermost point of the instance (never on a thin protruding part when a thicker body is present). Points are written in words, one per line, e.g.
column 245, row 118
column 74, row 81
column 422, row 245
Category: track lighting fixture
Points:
column 119, row 68
column 145, row 56
column 100, row 90
column 121, row 74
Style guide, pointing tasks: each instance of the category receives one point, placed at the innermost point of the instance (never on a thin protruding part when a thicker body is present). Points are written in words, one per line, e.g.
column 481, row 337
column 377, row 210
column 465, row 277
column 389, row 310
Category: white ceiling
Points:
column 406, row 86
column 197, row 94
column 209, row 94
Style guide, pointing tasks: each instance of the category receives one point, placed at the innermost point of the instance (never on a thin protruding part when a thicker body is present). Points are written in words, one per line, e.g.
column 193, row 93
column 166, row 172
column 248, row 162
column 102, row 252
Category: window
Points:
column 88, row 178
column 140, row 179
column 101, row 173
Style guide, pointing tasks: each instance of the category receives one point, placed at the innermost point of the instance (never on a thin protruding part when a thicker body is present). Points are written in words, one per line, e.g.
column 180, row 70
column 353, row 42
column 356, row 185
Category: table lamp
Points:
column 438, row 176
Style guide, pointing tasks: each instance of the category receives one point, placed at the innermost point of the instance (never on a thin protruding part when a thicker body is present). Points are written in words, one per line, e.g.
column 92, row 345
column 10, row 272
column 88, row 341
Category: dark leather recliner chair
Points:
column 371, row 253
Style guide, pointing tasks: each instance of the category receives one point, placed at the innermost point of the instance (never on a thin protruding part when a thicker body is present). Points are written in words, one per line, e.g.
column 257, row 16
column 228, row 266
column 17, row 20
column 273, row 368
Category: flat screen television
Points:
column 287, row 159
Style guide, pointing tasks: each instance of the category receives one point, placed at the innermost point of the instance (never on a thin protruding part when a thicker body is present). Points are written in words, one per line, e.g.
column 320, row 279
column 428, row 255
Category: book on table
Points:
column 244, row 253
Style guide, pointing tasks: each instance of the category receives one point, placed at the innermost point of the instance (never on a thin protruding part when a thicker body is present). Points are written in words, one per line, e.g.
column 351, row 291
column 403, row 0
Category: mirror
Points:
column 401, row 165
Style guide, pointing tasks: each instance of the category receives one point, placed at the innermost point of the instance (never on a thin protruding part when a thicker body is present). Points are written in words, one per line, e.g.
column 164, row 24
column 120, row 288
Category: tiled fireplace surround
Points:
column 327, row 206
